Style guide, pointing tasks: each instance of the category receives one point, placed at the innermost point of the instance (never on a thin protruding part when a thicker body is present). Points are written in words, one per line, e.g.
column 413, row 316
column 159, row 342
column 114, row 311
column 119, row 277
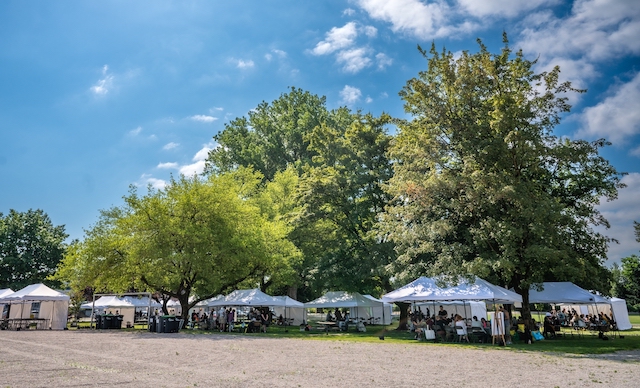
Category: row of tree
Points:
column 299, row 199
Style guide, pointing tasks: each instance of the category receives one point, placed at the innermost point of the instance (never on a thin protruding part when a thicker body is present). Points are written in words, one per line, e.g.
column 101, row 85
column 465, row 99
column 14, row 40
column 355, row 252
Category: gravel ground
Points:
column 142, row 359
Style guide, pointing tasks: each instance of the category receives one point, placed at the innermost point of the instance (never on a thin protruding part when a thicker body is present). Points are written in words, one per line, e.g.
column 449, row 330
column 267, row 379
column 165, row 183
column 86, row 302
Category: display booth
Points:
column 35, row 307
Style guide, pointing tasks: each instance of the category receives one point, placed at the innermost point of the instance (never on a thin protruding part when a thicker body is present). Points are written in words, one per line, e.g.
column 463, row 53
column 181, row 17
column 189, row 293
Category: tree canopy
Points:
column 193, row 238
column 339, row 158
column 30, row 248
column 482, row 185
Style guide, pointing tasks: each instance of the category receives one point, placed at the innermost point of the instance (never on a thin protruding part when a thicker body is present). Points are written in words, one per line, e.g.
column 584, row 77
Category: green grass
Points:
column 589, row 343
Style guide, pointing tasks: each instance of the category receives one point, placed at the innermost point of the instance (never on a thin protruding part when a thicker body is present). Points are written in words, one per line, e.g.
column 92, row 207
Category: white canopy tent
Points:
column 382, row 314
column 467, row 309
column 112, row 304
column 571, row 296
column 4, row 292
column 359, row 306
column 290, row 309
column 426, row 289
column 253, row 297
column 39, row 301
column 563, row 292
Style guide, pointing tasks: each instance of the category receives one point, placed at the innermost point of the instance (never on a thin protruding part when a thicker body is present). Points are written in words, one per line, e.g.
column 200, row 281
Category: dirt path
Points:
column 142, row 359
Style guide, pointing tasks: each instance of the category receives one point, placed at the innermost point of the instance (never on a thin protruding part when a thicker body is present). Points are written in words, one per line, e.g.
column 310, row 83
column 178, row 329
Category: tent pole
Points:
column 93, row 309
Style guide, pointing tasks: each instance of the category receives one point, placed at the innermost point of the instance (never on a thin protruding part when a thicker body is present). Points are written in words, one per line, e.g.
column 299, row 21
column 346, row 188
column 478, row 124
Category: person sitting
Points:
column 338, row 315
column 442, row 313
column 329, row 318
column 461, row 328
column 548, row 327
column 280, row 320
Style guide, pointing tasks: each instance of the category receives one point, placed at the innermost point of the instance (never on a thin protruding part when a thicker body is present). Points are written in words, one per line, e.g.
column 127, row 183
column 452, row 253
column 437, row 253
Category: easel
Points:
column 497, row 327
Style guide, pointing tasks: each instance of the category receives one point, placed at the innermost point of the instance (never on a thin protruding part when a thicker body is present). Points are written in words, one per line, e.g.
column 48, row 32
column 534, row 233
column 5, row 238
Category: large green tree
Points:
column 340, row 161
column 272, row 137
column 482, row 186
column 341, row 193
column 193, row 238
column 30, row 248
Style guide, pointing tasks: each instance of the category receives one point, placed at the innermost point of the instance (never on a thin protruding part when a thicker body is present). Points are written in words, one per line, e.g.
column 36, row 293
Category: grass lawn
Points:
column 570, row 342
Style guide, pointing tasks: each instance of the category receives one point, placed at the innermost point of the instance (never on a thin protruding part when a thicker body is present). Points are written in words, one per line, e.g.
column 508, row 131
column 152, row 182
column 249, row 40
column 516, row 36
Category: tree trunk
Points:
column 404, row 315
column 526, row 310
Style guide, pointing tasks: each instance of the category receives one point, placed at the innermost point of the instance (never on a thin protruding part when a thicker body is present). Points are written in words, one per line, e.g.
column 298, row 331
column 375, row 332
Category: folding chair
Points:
column 462, row 333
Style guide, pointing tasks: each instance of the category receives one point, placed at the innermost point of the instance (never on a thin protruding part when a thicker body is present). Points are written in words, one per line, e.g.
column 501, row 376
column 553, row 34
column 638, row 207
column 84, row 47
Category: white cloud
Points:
column 242, row 64
column 413, row 17
column 350, row 95
column 199, row 161
column 383, row 61
column 621, row 213
column 147, row 179
column 607, row 29
column 354, row 60
column 337, row 38
column 203, row 118
column 136, row 131
column 507, row 8
column 170, row 146
column 370, row 31
column 104, row 84
column 617, row 117
column 268, row 57
column 170, row 165
column 368, row 100
column 348, row 12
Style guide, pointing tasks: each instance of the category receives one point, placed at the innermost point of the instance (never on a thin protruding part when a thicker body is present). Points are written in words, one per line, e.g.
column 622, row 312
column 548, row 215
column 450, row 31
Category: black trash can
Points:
column 159, row 324
column 107, row 321
column 98, row 321
column 152, row 324
column 172, row 323
column 117, row 322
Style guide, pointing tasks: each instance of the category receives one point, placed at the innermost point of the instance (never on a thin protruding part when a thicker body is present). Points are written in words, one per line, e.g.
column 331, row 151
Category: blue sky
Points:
column 98, row 95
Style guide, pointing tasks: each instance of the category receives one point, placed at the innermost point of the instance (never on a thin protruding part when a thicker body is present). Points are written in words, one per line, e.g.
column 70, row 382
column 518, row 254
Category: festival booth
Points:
column 570, row 296
column 359, row 306
column 4, row 292
column 112, row 305
column 252, row 298
column 467, row 309
column 144, row 307
column 36, row 306
column 381, row 315
column 426, row 289
column 291, row 310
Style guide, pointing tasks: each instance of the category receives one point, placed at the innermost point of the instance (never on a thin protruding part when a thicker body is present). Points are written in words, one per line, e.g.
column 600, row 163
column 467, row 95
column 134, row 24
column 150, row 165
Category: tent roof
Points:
column 564, row 292
column 342, row 299
column 5, row 292
column 253, row 297
column 286, row 301
column 35, row 292
column 375, row 299
column 142, row 301
column 426, row 289
column 109, row 301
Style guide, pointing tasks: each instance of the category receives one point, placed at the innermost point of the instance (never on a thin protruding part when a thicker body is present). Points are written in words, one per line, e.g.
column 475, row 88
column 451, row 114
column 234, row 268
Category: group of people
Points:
column 447, row 327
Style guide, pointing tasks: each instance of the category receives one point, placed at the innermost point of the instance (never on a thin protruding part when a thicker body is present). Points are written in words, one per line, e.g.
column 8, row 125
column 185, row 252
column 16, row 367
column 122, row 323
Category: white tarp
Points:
column 381, row 314
column 426, row 289
column 54, row 305
column 614, row 307
column 253, row 297
column 4, row 292
column 359, row 306
column 466, row 309
column 342, row 299
column 290, row 309
column 563, row 292
column 112, row 304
